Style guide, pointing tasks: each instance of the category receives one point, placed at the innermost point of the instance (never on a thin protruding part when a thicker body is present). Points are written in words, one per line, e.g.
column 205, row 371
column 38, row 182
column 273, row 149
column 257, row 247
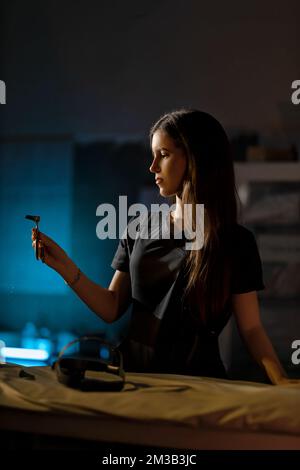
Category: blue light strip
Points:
column 21, row 353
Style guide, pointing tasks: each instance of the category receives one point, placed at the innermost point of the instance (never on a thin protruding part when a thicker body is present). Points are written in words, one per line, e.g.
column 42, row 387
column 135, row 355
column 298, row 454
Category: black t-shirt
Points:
column 163, row 335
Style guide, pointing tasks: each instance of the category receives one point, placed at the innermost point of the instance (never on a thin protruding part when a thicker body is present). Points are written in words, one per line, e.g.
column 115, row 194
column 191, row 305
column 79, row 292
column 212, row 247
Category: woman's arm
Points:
column 109, row 304
column 246, row 311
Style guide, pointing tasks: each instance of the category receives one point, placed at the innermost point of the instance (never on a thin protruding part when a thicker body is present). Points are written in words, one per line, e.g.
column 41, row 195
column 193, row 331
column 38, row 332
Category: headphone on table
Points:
column 89, row 373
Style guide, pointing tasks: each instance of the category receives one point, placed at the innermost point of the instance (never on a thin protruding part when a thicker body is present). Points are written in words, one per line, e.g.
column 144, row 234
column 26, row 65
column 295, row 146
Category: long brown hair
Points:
column 209, row 180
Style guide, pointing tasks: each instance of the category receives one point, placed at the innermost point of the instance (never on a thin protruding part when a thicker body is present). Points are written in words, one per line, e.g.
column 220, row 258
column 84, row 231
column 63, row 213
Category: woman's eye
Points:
column 164, row 154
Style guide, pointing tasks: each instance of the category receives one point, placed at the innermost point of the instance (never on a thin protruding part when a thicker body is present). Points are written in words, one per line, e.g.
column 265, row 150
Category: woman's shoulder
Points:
column 243, row 243
column 247, row 265
column 242, row 234
column 240, row 240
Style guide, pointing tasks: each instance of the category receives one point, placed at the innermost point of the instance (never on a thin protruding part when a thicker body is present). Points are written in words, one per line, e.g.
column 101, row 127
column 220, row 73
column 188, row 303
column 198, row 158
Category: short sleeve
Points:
column 247, row 273
column 121, row 258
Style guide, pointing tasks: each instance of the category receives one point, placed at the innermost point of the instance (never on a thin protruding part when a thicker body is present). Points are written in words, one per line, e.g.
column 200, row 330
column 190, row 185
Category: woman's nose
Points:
column 154, row 168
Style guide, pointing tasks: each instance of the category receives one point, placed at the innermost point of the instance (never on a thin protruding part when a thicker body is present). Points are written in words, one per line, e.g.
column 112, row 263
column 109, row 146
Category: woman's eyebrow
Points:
column 160, row 149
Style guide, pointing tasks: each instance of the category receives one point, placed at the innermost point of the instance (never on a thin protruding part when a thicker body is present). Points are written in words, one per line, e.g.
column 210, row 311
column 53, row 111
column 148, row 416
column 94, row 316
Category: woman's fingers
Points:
column 41, row 250
column 46, row 240
column 47, row 250
column 41, row 236
column 42, row 253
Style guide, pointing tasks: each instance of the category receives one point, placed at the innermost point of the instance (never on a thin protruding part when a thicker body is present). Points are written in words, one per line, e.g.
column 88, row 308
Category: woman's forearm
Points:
column 100, row 300
column 261, row 349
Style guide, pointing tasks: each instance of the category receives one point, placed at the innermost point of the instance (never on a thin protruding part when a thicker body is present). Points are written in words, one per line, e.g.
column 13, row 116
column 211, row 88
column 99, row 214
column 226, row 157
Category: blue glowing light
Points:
column 21, row 353
column 104, row 353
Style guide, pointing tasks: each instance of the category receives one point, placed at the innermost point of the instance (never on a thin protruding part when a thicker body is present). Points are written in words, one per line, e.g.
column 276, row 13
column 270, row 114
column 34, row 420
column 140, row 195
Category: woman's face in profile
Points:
column 169, row 163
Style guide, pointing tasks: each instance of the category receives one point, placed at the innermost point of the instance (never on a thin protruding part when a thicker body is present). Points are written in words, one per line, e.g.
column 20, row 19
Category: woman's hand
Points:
column 53, row 255
column 287, row 381
column 276, row 374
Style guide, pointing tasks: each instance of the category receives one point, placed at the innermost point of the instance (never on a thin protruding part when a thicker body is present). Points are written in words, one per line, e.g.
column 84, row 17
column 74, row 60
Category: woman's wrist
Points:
column 75, row 278
column 68, row 271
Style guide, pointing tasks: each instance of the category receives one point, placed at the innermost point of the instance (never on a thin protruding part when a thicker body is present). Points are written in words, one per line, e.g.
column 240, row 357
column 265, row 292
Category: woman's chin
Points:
column 167, row 192
column 164, row 193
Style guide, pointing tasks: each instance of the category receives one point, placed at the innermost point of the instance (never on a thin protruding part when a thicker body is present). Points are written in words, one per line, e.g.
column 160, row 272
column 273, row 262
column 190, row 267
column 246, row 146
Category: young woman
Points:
column 182, row 299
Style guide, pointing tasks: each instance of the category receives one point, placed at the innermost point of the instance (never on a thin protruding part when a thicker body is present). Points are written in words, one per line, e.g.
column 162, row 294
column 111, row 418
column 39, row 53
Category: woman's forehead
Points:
column 161, row 140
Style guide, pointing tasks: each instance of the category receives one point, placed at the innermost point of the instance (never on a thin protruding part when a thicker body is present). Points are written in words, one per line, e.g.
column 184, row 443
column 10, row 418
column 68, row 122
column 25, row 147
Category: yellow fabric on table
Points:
column 183, row 400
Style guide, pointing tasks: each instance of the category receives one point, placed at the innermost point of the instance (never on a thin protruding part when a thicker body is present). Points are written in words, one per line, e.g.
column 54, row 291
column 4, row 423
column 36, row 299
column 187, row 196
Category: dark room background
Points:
column 84, row 82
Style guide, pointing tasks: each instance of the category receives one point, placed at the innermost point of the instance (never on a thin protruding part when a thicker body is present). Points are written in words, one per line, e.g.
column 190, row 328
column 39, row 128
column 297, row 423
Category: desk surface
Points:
column 155, row 410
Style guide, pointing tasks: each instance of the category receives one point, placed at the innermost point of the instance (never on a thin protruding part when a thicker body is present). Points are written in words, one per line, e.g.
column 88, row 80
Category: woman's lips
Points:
column 158, row 180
